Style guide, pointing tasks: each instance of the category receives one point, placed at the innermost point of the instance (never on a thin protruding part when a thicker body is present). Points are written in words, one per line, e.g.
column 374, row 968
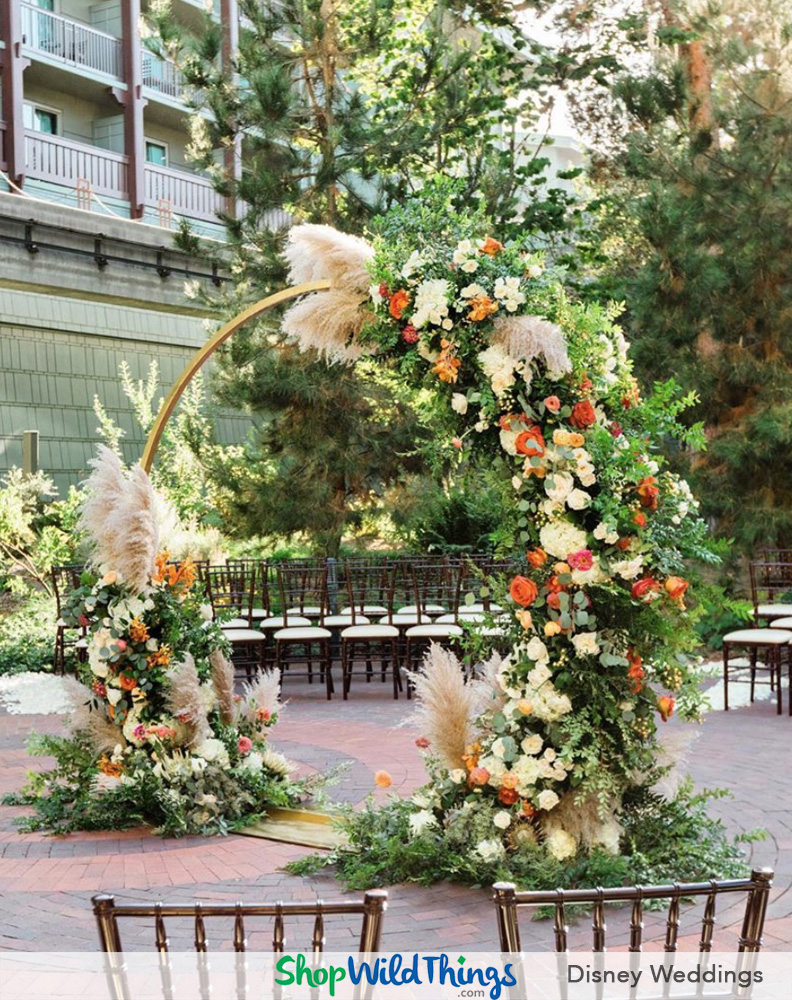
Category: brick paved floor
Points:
column 46, row 882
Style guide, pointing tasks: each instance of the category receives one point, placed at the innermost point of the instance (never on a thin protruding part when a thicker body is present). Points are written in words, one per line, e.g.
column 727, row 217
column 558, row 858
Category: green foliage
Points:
column 663, row 841
column 27, row 635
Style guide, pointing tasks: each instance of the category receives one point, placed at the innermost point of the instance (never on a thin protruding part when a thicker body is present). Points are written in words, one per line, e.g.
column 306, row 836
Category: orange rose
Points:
column 636, row 671
column 648, row 492
column 382, row 779
column 646, row 589
column 665, row 706
column 523, row 591
column 639, row 519
column 491, row 247
column 508, row 796
column 676, row 587
column 623, row 544
column 576, row 440
column 481, row 307
column 583, row 415
column 479, row 776
column 536, row 558
column 398, row 303
column 127, row 683
column 530, row 442
column 528, row 810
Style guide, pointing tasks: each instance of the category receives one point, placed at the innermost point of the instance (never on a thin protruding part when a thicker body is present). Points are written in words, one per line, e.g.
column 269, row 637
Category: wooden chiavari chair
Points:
column 302, row 638
column 365, row 586
column 109, row 914
column 64, row 580
column 230, row 591
column 771, row 589
column 756, row 890
column 436, row 585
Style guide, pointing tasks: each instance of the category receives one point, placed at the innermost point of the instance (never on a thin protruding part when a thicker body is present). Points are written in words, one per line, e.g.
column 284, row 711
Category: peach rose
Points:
column 491, row 247
column 479, row 776
column 553, row 404
column 676, row 587
column 648, row 492
column 536, row 558
column 665, row 706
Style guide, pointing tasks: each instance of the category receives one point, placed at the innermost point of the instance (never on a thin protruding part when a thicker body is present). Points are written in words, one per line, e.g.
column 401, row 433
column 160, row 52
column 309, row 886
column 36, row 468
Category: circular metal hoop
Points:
column 201, row 356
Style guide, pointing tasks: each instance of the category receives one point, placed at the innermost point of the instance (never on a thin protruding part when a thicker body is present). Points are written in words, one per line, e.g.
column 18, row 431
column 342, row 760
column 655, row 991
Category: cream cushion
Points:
column 339, row 621
column 428, row 609
column 759, row 637
column 370, row 632
column 773, row 610
column 367, row 609
column 280, row 622
column 244, row 635
column 235, row 623
column 782, row 623
column 433, row 631
column 308, row 633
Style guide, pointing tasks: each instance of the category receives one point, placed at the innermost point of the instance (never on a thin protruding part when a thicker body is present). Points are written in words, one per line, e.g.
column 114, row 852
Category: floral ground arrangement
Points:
column 157, row 734
column 545, row 767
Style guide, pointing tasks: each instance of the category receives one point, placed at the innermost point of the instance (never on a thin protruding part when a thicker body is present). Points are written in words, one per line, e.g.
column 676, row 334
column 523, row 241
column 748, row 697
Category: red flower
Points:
column 645, row 589
column 384, row 291
column 530, row 442
column 85, row 622
column 639, row 519
column 409, row 334
column 422, row 743
column 665, row 706
column 616, row 429
column 583, row 415
column 98, row 688
column 508, row 796
column 554, row 600
column 245, row 745
column 523, row 591
column 648, row 492
column 623, row 544
column 553, row 404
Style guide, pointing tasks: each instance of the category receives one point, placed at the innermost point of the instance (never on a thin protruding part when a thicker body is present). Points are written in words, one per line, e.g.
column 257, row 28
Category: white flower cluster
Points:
column 431, row 305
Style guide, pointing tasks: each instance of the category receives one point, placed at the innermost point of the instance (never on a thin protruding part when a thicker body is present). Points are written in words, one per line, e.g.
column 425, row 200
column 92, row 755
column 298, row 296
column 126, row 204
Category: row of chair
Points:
column 300, row 617
column 507, row 899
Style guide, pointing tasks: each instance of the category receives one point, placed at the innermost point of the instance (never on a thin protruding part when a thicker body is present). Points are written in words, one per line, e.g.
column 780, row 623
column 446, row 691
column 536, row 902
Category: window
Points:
column 41, row 119
column 45, row 4
column 157, row 153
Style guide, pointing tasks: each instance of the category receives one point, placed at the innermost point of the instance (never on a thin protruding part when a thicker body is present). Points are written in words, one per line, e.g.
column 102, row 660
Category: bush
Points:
column 27, row 636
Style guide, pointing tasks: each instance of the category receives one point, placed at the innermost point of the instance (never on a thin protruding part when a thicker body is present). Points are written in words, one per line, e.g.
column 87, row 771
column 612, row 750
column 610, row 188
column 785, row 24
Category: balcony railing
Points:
column 70, row 41
column 186, row 194
column 162, row 75
column 60, row 161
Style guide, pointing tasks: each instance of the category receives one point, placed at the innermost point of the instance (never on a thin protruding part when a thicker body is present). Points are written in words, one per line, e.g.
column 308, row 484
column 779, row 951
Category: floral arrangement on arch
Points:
column 159, row 732
column 540, row 752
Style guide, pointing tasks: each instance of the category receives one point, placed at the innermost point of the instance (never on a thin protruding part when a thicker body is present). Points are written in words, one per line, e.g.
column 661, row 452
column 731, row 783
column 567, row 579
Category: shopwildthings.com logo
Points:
column 397, row 970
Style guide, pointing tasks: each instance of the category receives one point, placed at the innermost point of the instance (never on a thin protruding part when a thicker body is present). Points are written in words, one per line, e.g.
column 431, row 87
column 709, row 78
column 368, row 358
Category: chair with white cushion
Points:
column 303, row 639
column 774, row 642
column 230, row 593
column 369, row 588
column 434, row 585
column 771, row 588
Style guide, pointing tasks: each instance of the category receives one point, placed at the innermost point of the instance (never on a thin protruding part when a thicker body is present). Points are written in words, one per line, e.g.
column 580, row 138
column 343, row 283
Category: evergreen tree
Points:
column 331, row 110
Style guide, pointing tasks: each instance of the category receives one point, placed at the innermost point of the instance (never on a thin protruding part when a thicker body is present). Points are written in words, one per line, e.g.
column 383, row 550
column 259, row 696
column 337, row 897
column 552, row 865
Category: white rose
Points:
column 447, row 324
column 459, row 403
column 113, row 695
column 586, row 644
column 490, row 850
column 534, row 270
column 547, row 800
column 559, row 485
column 578, row 500
column 627, row 569
column 469, row 266
column 536, row 650
column 498, row 749
column 549, row 754
column 473, row 291
column 502, row 819
column 532, row 744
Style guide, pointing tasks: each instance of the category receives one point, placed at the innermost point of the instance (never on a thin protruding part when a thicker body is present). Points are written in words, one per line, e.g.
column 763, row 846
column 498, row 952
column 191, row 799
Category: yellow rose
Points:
column 561, row 437
column 552, row 628
column 525, row 707
column 524, row 618
column 110, row 578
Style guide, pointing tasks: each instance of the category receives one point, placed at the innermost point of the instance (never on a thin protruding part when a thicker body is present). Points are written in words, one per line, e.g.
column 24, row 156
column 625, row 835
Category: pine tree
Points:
column 340, row 107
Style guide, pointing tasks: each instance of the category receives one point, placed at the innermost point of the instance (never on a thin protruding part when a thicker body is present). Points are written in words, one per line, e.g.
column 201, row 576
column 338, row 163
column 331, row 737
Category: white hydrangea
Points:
column 253, row 762
column 561, row 844
column 431, row 303
column 213, row 751
column 499, row 367
column 507, row 291
column 560, row 537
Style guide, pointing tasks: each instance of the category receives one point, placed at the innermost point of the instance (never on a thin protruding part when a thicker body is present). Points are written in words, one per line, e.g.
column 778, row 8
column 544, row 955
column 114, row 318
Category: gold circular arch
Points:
column 208, row 349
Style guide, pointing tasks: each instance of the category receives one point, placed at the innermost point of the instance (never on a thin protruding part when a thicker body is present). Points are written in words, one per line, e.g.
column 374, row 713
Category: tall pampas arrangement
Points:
column 446, row 706
column 328, row 321
column 527, row 337
column 223, row 683
column 87, row 718
column 263, row 695
column 185, row 701
column 119, row 515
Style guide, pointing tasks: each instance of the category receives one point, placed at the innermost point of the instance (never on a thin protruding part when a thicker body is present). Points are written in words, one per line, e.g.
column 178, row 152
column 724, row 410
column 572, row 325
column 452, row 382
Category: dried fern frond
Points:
column 328, row 322
column 89, row 720
column 315, row 252
column 527, row 337
column 263, row 695
column 184, row 699
column 223, row 683
column 446, row 706
column 119, row 515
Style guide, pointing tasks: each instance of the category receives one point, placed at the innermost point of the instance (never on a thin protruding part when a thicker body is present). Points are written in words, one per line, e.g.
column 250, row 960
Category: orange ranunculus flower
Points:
column 536, row 558
column 478, row 776
column 523, row 591
column 623, row 543
column 676, row 587
column 583, row 415
column 127, row 683
column 398, row 303
column 491, row 247
column 636, row 672
column 138, row 631
column 530, row 442
column 508, row 796
column 528, row 809
column 665, row 706
column 448, row 364
column 645, row 589
column 648, row 492
column 470, row 757
column 106, row 766
column 481, row 307
column 382, row 779
column 159, row 658
column 639, row 518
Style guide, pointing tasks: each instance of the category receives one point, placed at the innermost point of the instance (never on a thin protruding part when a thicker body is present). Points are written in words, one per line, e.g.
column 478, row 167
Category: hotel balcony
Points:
column 63, row 40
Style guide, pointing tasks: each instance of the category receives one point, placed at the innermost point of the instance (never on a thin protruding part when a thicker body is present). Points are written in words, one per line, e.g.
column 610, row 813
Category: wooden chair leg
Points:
column 753, row 672
column 726, row 677
column 328, row 668
column 345, row 678
column 396, row 675
column 776, row 668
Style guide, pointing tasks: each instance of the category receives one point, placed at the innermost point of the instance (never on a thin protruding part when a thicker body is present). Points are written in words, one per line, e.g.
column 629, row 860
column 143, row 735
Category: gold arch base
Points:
column 202, row 356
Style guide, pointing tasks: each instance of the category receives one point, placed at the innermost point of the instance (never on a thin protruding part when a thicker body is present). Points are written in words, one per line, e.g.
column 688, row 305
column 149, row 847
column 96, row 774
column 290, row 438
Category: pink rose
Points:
column 456, row 442
column 121, row 644
column 553, row 404
column 245, row 745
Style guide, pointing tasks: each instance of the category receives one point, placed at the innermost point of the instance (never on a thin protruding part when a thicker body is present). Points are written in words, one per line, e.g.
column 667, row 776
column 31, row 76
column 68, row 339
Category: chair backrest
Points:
column 230, row 589
column 372, row 909
column 435, row 586
column 255, row 574
column 303, row 590
column 64, row 579
column 771, row 581
column 369, row 585
column 756, row 890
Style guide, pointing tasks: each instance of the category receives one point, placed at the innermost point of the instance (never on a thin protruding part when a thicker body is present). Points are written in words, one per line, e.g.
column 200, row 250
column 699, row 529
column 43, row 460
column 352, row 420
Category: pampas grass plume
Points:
column 527, row 337
column 184, row 699
column 223, row 682
column 263, row 694
column 446, row 706
column 88, row 719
